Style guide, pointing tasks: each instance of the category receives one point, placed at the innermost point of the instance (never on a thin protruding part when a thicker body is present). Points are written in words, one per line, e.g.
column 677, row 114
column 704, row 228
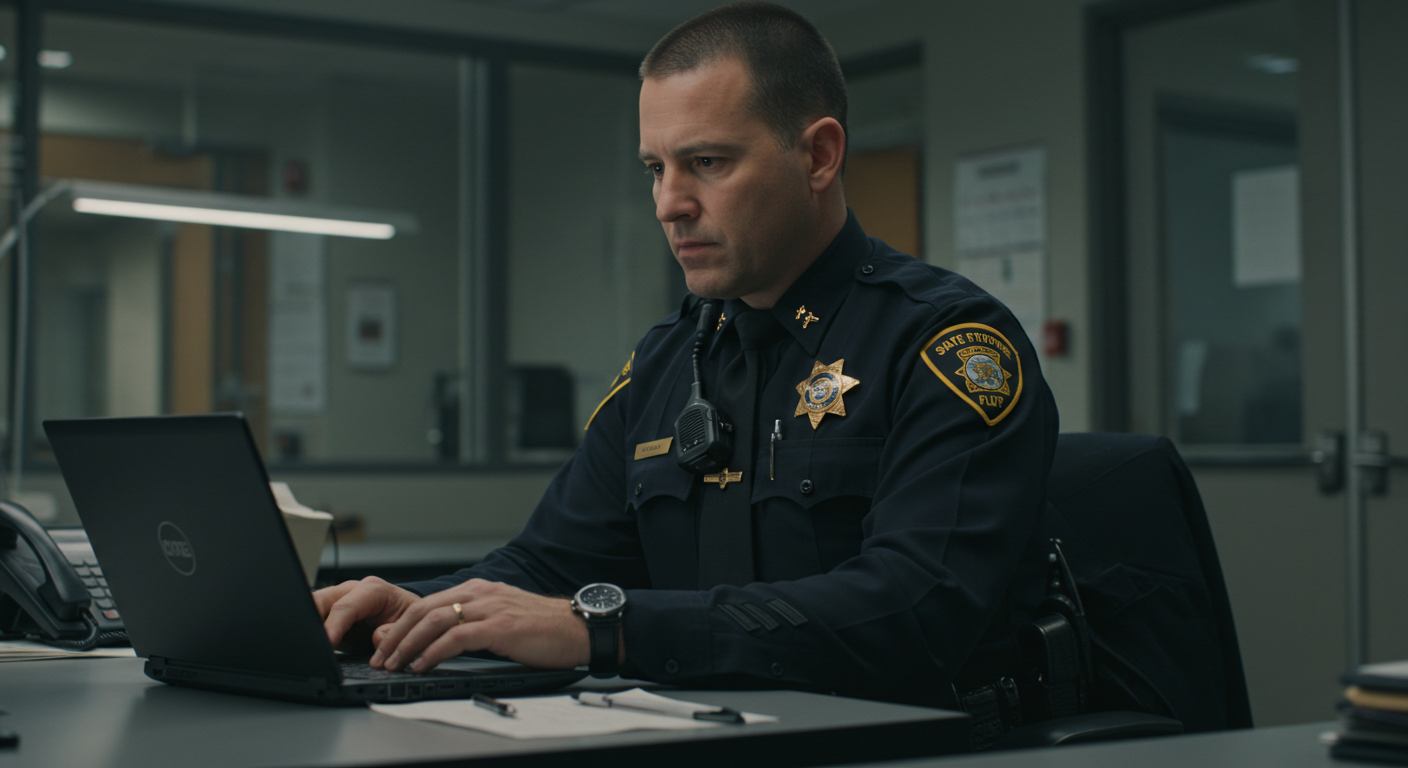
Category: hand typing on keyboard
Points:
column 406, row 631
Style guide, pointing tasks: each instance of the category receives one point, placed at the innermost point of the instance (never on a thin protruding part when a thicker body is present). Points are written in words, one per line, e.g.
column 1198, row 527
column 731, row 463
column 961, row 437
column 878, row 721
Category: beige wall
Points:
column 998, row 73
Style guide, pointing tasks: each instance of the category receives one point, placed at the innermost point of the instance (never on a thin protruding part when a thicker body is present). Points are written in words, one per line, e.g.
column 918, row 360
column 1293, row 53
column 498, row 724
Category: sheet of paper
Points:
column 1266, row 227
column 547, row 717
column 297, row 326
column 371, row 326
column 26, row 650
column 1000, row 228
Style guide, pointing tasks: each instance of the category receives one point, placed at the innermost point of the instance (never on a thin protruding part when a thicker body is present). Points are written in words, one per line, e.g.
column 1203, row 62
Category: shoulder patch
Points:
column 980, row 366
column 622, row 379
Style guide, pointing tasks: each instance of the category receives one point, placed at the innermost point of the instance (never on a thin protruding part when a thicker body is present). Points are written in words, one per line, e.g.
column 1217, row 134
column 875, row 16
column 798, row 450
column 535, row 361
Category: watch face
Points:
column 601, row 598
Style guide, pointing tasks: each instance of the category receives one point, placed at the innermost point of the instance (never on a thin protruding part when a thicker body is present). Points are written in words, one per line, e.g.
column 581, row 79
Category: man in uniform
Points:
column 875, row 520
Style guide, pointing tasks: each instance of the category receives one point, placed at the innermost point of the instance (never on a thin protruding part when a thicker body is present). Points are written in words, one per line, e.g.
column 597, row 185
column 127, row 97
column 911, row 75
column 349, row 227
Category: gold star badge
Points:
column 821, row 392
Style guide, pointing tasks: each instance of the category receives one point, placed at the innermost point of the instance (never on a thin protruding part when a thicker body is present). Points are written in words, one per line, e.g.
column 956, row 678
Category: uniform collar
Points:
column 809, row 307
column 819, row 292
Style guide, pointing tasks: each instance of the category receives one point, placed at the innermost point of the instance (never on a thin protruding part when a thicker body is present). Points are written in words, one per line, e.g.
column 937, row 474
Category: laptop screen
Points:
column 180, row 515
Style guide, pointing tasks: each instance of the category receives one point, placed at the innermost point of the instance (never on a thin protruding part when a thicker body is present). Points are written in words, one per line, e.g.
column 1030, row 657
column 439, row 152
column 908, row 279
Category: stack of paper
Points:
column 307, row 527
column 1374, row 712
column 25, row 650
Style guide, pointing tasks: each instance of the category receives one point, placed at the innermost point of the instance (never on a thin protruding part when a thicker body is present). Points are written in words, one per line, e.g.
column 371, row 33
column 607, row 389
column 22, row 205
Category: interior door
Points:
column 1381, row 112
column 1247, row 358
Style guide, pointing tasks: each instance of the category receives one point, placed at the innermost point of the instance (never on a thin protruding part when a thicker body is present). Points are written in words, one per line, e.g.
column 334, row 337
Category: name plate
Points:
column 656, row 448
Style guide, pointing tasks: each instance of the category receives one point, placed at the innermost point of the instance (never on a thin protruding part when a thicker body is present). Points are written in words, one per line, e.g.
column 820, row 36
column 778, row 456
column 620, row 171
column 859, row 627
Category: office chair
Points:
column 1153, row 609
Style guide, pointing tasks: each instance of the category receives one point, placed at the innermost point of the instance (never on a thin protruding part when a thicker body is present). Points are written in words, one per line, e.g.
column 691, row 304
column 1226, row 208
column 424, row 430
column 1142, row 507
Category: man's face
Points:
column 738, row 210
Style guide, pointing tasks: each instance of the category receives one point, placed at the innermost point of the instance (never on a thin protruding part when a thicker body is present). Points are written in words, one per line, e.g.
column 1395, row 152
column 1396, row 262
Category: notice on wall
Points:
column 1266, row 227
column 1000, row 228
column 297, row 323
column 371, row 326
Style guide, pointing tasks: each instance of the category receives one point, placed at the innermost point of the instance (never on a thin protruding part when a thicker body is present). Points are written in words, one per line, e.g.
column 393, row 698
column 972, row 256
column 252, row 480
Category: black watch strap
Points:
column 605, row 637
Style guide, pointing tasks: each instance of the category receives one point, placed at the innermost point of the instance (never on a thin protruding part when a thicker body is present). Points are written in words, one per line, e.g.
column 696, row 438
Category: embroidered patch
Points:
column 622, row 379
column 980, row 366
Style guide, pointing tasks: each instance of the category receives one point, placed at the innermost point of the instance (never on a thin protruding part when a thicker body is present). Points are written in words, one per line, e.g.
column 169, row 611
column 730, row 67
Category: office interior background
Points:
column 1188, row 275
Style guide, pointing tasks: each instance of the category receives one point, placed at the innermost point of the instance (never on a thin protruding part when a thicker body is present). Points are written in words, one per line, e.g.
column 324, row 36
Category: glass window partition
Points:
column 481, row 331
column 589, row 268
column 1211, row 115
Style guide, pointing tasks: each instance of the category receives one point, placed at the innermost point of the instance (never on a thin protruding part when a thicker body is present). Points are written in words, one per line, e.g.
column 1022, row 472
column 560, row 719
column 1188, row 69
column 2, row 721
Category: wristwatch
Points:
column 600, row 605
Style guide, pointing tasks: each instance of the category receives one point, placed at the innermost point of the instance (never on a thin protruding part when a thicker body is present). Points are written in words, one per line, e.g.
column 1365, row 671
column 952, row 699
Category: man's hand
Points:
column 357, row 613
column 528, row 628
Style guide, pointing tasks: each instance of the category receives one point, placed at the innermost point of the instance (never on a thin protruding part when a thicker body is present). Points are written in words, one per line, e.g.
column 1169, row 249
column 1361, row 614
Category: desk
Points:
column 1291, row 746
column 105, row 712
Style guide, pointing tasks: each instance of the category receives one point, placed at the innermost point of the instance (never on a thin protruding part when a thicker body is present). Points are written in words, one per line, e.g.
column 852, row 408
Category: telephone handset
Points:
column 51, row 586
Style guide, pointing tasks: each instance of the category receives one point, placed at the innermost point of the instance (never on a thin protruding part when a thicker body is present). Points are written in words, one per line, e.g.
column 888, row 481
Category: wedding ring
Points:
column 459, row 613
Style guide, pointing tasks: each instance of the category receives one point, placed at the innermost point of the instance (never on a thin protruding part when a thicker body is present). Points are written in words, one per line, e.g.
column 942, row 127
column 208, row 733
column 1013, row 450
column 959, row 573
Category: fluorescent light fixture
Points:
column 226, row 210
column 55, row 59
column 49, row 59
column 223, row 218
column 1273, row 64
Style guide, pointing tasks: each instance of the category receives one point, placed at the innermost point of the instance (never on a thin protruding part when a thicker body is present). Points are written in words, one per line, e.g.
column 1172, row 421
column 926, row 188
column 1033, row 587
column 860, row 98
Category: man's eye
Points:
column 655, row 169
column 707, row 162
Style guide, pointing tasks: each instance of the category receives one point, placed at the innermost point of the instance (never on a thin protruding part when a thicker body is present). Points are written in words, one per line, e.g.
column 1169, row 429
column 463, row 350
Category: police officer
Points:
column 873, row 520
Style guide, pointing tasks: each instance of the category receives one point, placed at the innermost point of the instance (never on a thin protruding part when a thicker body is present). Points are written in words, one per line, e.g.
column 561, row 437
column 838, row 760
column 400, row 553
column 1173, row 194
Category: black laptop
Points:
column 179, row 512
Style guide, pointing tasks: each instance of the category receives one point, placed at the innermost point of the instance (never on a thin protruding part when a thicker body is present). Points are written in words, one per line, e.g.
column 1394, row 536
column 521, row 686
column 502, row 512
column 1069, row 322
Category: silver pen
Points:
column 500, row 708
column 772, row 449
column 673, row 708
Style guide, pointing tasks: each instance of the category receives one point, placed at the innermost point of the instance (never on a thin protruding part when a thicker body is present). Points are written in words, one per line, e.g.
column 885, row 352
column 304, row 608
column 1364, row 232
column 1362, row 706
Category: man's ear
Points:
column 825, row 144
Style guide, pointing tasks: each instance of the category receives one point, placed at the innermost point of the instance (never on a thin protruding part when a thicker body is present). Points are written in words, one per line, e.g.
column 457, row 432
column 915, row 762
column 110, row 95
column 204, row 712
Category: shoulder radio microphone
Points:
column 703, row 442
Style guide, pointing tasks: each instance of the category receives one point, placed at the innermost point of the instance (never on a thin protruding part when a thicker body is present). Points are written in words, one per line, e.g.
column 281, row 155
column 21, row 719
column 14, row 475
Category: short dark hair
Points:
column 796, row 77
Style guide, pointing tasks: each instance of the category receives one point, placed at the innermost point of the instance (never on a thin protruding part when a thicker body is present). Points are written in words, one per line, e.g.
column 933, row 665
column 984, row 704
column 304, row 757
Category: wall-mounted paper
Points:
column 297, row 324
column 1266, row 227
column 371, row 326
column 1000, row 228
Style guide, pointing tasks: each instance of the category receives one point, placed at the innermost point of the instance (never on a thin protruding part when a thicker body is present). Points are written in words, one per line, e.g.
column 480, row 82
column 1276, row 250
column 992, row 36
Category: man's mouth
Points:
column 688, row 248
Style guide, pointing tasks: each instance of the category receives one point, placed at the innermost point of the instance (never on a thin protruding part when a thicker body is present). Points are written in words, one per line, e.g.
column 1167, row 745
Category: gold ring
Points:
column 459, row 613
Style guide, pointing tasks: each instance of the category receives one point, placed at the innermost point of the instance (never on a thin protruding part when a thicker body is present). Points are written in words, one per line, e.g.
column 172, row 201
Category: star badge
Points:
column 821, row 392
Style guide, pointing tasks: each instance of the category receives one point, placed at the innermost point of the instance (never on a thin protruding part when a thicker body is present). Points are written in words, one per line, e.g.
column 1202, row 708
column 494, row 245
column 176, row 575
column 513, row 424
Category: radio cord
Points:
column 702, row 332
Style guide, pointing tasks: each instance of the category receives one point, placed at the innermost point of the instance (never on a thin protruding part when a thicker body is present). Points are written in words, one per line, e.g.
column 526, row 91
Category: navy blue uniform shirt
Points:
column 889, row 542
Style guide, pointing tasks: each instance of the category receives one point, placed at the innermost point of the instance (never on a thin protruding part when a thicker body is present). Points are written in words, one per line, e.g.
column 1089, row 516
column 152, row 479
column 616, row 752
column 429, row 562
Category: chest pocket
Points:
column 810, row 472
column 656, row 477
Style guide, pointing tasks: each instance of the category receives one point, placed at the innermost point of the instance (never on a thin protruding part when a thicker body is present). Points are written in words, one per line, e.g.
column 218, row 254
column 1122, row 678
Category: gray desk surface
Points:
column 105, row 712
column 1292, row 746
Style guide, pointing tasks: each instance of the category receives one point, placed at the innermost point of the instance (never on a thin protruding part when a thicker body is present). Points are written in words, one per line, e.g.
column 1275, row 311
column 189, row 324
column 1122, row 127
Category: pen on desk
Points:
column 501, row 708
column 674, row 709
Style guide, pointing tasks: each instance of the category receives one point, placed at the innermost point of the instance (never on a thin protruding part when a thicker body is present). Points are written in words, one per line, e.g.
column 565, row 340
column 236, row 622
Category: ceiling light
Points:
column 225, row 210
column 1273, row 64
column 55, row 59
column 224, row 218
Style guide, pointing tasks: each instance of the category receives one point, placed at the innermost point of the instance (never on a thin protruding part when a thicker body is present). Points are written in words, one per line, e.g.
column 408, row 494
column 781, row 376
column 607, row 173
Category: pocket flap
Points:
column 656, row 476
column 811, row 471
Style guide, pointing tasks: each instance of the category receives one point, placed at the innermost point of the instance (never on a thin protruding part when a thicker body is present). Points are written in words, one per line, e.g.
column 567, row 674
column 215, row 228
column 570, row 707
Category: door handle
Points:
column 1372, row 459
column 1328, row 457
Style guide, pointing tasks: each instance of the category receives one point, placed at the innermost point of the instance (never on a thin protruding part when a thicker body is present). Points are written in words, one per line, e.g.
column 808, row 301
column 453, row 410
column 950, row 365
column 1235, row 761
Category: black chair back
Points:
column 1136, row 535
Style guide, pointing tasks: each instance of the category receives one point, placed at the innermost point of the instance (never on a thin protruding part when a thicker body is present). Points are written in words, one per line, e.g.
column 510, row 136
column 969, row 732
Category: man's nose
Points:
column 675, row 198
